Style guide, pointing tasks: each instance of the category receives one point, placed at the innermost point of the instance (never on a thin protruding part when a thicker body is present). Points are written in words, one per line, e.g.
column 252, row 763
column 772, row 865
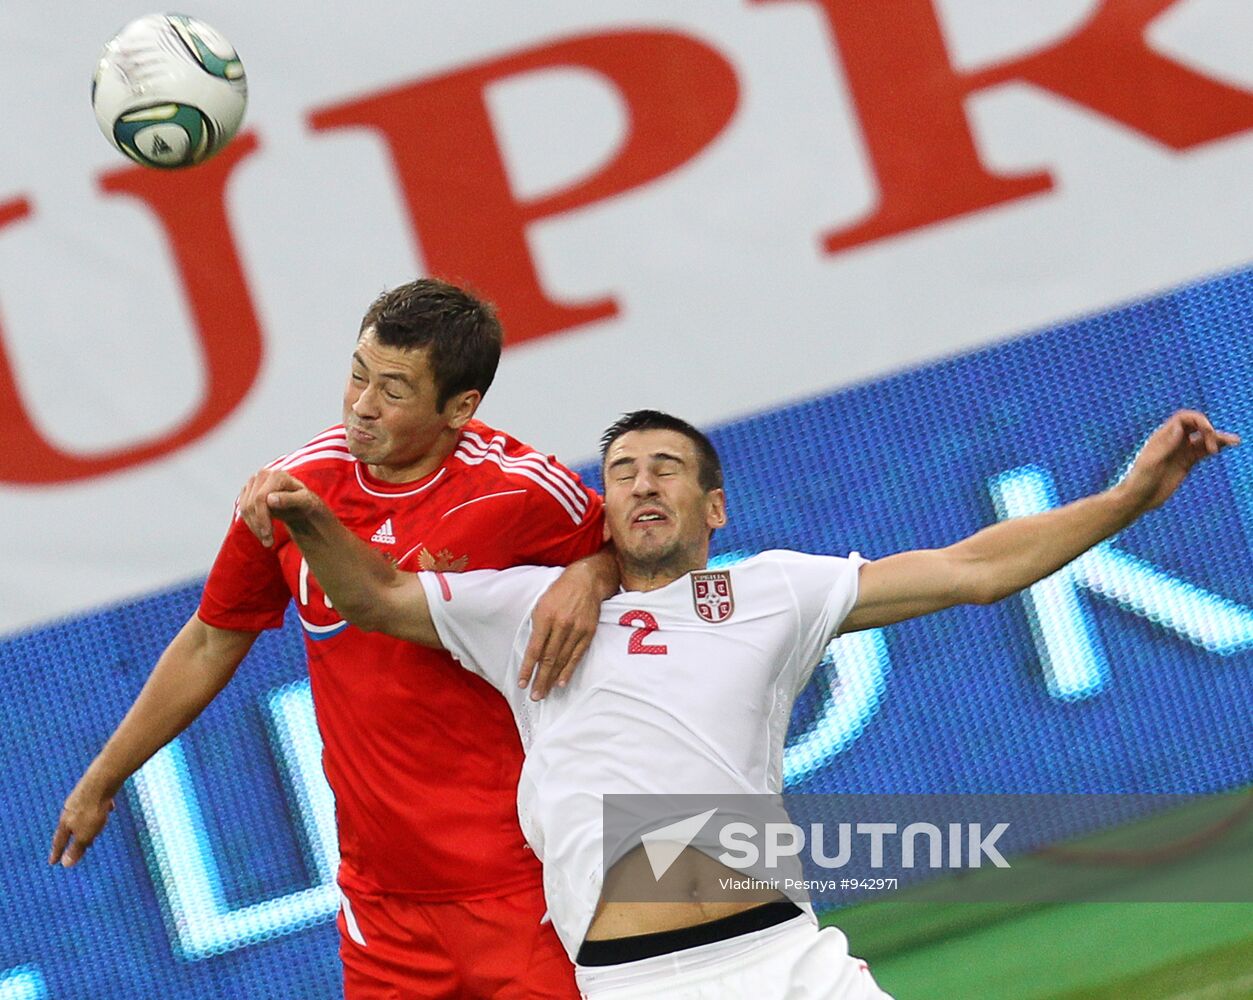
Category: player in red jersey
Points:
column 441, row 896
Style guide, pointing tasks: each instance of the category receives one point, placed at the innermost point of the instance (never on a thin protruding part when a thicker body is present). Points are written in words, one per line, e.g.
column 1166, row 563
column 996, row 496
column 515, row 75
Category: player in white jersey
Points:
column 644, row 697
column 689, row 682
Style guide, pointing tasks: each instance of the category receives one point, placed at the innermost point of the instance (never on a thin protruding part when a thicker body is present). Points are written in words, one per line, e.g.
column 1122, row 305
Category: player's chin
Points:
column 650, row 549
column 634, row 549
column 368, row 452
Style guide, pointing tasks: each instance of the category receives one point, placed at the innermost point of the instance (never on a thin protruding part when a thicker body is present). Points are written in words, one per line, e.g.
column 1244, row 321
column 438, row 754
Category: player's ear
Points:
column 460, row 408
column 715, row 510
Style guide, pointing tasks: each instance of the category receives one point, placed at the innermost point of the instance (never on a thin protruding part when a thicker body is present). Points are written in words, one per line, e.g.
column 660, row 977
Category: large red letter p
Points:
column 679, row 94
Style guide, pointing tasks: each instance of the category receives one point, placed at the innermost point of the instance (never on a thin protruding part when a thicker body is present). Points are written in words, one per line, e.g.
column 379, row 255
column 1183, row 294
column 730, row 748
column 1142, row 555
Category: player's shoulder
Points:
column 791, row 557
column 326, row 452
column 514, row 575
column 500, row 587
column 481, row 445
column 499, row 461
column 770, row 560
column 792, row 565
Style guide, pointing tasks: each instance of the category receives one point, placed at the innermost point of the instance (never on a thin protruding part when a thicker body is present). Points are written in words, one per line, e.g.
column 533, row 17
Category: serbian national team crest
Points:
column 711, row 593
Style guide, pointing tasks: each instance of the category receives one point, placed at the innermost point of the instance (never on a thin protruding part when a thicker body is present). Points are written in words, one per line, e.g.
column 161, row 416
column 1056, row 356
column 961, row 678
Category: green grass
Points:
column 921, row 947
column 1077, row 950
column 1214, row 975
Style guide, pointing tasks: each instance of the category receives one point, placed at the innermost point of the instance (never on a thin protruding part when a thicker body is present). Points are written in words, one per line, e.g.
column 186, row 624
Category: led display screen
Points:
column 1129, row 671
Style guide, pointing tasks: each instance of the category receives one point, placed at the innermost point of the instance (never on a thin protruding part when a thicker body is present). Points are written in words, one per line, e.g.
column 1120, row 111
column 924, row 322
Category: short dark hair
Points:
column 462, row 332
column 709, row 471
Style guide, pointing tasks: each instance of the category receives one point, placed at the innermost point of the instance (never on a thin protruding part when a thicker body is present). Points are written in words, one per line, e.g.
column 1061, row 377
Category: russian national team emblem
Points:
column 711, row 593
column 442, row 561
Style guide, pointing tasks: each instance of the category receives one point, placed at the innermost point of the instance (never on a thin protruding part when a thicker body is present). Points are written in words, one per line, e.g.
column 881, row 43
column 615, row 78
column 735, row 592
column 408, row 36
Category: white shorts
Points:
column 790, row 961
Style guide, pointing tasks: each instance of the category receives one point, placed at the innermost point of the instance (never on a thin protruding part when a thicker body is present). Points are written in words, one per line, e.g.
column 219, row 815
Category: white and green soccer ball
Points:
column 169, row 91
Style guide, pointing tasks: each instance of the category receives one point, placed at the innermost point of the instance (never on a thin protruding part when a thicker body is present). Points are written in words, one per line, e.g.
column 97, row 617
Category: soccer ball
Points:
column 169, row 91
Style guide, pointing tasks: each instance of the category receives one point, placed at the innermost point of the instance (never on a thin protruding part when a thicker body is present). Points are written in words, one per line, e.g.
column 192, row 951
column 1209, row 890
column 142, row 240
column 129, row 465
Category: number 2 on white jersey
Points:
column 645, row 625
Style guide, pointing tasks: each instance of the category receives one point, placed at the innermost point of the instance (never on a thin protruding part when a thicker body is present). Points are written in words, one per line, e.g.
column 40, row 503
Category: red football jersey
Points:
column 422, row 755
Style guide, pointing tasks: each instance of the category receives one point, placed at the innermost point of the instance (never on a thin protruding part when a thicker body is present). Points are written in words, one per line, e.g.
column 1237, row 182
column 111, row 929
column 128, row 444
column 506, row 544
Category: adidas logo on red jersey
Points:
column 385, row 535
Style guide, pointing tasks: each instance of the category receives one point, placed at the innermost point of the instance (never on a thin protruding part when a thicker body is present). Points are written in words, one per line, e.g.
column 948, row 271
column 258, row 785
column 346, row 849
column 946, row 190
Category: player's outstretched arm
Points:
column 1006, row 557
column 194, row 667
column 364, row 587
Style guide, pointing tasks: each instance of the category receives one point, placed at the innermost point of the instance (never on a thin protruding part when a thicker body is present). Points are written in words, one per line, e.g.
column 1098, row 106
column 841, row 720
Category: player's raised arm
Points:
column 1006, row 557
column 365, row 588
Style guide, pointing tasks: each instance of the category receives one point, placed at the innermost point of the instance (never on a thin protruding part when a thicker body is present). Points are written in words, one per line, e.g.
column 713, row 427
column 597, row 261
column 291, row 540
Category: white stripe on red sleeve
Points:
column 473, row 445
column 333, row 437
column 576, row 514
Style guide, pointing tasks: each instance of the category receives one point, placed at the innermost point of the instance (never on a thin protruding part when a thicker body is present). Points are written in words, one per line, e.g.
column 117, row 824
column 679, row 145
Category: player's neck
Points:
column 654, row 575
column 420, row 467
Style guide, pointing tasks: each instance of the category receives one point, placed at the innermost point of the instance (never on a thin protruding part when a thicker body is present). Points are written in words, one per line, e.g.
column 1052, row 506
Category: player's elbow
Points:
column 980, row 588
column 381, row 611
column 365, row 621
column 974, row 580
column 985, row 595
column 362, row 610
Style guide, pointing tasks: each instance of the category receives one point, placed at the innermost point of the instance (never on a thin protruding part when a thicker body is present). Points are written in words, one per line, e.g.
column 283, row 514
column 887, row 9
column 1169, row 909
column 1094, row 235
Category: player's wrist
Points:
column 309, row 521
column 600, row 571
column 1127, row 500
column 100, row 782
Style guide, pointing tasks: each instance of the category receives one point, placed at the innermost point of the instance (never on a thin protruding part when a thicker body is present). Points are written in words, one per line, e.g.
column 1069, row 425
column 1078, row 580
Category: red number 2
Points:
column 644, row 624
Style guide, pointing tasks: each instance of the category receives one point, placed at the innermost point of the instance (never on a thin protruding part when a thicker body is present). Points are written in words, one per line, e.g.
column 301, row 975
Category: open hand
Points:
column 562, row 626
column 82, row 818
column 1169, row 455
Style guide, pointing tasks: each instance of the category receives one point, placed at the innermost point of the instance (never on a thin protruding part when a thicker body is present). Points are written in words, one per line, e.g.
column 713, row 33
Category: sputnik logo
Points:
column 664, row 845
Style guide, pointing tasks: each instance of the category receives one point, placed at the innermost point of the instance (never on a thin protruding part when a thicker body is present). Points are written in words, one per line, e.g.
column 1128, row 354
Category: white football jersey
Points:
column 684, row 690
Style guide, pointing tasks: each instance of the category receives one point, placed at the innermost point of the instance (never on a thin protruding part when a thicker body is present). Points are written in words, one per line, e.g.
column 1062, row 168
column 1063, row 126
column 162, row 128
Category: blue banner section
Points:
column 1129, row 671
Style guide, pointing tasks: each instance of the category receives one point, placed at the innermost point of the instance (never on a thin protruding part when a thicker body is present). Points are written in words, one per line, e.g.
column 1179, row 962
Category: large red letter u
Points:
column 190, row 205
